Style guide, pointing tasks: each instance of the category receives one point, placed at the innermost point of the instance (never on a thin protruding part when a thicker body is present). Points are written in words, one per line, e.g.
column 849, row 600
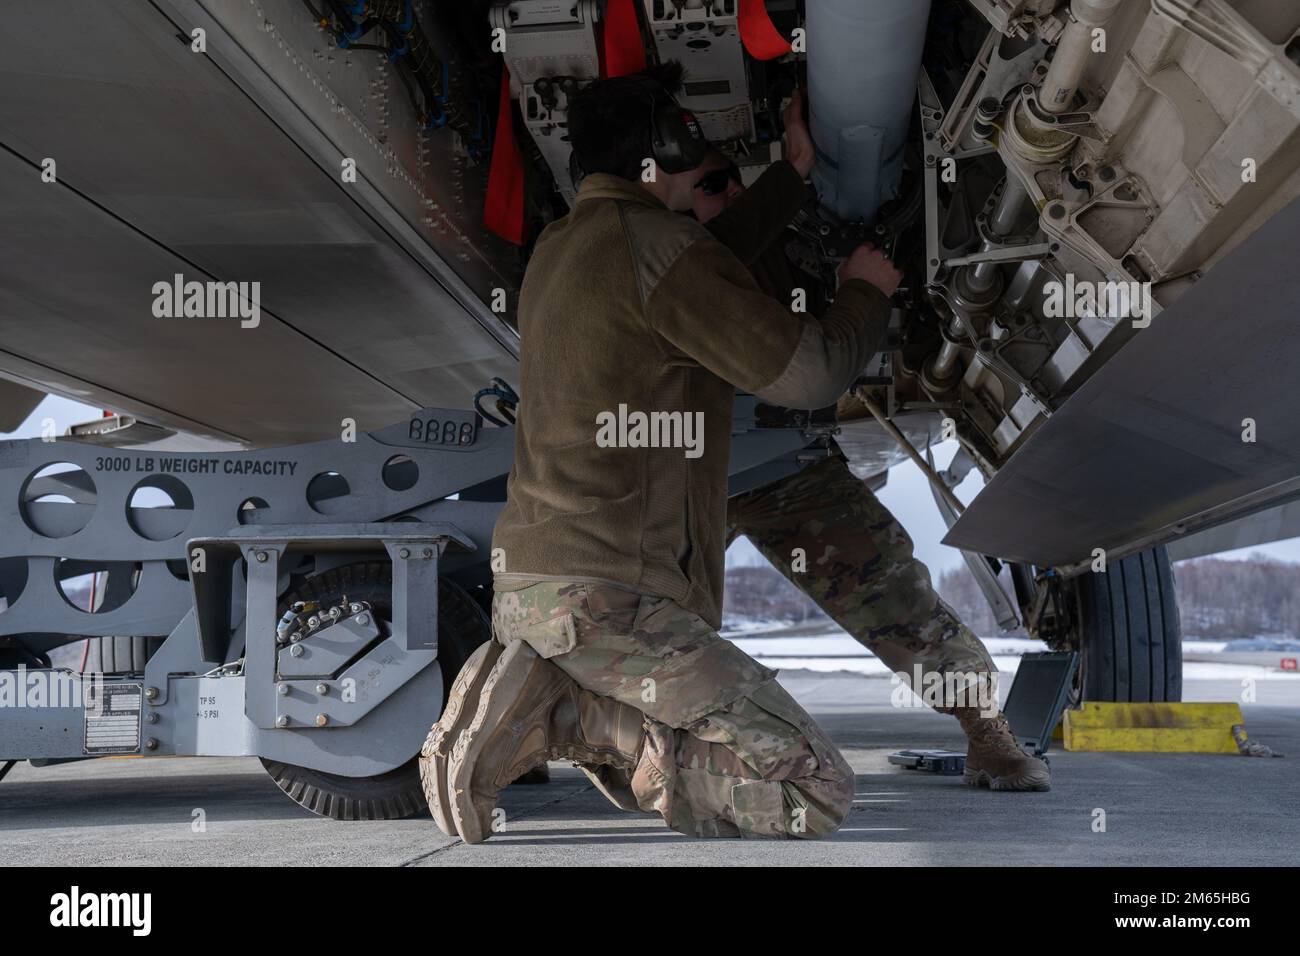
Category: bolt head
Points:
column 404, row 552
column 363, row 619
column 296, row 650
column 321, row 720
column 151, row 744
column 282, row 720
column 260, row 556
column 282, row 689
column 322, row 689
column 151, row 693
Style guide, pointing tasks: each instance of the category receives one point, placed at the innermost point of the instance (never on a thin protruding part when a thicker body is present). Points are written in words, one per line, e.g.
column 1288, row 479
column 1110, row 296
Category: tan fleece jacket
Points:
column 629, row 309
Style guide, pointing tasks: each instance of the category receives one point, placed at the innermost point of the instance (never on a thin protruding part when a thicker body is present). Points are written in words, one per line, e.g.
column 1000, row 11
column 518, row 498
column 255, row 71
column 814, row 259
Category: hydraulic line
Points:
column 410, row 51
column 983, row 274
column 978, row 283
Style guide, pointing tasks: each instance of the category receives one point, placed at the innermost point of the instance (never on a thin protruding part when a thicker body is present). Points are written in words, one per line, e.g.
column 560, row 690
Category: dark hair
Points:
column 609, row 121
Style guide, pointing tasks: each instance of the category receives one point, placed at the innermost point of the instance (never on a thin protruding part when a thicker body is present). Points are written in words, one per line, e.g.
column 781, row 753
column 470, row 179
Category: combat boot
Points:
column 529, row 710
column 994, row 759
column 462, row 704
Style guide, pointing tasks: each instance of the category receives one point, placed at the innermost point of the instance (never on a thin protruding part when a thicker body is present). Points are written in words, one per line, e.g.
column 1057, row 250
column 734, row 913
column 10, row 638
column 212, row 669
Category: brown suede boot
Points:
column 462, row 704
column 530, row 710
column 994, row 759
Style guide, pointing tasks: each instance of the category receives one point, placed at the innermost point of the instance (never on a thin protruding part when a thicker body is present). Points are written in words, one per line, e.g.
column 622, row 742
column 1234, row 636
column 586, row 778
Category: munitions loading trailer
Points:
column 318, row 633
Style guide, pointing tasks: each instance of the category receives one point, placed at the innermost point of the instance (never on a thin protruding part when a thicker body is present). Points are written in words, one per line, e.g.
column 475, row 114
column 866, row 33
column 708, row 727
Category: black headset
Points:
column 677, row 142
column 676, row 138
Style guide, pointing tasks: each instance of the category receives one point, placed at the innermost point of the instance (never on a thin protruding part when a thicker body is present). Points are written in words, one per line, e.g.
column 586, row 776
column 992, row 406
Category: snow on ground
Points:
column 733, row 626
column 823, row 647
column 1212, row 670
column 842, row 645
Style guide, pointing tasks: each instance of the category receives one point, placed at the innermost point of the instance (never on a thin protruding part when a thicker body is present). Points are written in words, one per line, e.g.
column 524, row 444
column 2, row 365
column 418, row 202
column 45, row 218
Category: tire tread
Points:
column 1130, row 630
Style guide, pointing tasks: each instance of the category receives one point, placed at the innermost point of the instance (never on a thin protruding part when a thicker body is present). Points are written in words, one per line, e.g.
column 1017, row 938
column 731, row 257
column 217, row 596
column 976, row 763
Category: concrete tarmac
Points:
column 1159, row 809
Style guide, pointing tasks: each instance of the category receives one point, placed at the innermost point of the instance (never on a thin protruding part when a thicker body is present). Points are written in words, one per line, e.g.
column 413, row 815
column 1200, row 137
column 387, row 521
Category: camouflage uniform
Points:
column 859, row 569
column 726, row 751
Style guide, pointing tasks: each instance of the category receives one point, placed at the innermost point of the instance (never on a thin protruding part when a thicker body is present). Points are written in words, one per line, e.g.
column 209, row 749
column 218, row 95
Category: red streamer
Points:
column 762, row 39
column 624, row 50
column 503, row 207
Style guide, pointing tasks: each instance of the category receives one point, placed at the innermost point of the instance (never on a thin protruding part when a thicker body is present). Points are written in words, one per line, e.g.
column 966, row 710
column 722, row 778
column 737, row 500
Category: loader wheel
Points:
column 1129, row 631
column 395, row 794
column 120, row 655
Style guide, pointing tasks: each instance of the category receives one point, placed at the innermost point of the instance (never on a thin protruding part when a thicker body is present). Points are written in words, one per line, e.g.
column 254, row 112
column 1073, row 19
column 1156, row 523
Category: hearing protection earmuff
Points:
column 677, row 141
column 676, row 138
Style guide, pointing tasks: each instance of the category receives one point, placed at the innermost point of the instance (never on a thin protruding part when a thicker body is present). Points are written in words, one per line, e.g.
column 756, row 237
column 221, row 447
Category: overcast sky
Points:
column 906, row 495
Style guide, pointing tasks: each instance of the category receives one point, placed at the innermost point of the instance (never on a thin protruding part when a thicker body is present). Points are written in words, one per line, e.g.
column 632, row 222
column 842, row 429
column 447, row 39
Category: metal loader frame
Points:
column 345, row 692
column 208, row 574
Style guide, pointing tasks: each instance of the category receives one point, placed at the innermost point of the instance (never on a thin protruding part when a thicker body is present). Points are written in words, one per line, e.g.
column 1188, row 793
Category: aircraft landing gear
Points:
column 1124, row 621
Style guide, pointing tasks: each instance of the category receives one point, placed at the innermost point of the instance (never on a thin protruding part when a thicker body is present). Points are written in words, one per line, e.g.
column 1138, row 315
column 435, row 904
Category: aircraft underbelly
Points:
column 166, row 166
column 1155, row 444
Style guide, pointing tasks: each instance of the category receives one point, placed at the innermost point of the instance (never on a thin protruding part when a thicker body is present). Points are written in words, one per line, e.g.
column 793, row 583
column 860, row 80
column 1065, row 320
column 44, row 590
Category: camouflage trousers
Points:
column 726, row 750
column 833, row 539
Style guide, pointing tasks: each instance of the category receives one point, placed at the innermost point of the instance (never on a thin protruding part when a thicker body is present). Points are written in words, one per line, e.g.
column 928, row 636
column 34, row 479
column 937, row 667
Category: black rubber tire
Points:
column 396, row 794
column 120, row 655
column 1130, row 635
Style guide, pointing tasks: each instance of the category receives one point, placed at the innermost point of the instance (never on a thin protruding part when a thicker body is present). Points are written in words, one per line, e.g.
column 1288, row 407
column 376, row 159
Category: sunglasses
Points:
column 715, row 182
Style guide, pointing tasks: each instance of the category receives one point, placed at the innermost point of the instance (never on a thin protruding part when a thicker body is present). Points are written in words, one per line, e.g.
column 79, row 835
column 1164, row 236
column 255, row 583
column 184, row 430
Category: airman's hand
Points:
column 871, row 265
column 798, row 141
